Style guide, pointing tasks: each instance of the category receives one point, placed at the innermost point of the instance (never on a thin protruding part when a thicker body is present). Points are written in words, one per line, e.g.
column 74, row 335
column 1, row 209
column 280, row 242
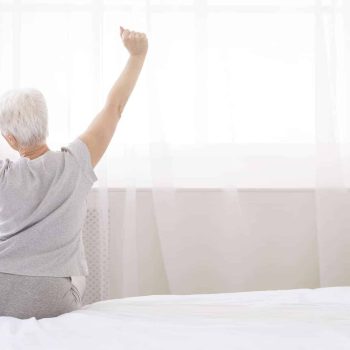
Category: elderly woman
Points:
column 42, row 197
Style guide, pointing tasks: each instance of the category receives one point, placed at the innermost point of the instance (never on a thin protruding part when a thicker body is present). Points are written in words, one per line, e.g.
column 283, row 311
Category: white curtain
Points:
column 332, row 37
column 234, row 95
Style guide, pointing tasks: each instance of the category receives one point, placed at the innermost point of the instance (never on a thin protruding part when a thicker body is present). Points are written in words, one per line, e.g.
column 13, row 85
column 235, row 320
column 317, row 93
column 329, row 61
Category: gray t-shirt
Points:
column 42, row 211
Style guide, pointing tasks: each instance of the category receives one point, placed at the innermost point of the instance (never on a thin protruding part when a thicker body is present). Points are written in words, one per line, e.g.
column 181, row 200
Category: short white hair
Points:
column 23, row 114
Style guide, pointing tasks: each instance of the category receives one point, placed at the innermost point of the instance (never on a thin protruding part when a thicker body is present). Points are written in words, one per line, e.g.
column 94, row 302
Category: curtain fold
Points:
column 332, row 197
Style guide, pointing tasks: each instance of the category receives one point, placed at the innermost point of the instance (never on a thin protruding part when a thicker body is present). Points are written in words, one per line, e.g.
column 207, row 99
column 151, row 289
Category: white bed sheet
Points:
column 289, row 319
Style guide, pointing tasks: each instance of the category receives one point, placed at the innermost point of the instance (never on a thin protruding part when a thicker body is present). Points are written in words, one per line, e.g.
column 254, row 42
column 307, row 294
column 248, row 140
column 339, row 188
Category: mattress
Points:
column 284, row 319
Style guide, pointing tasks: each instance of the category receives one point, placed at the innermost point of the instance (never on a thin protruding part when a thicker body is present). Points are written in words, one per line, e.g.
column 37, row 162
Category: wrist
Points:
column 140, row 56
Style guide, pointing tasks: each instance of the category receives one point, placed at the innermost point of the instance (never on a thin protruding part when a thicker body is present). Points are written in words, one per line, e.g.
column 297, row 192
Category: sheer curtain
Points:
column 332, row 141
column 234, row 95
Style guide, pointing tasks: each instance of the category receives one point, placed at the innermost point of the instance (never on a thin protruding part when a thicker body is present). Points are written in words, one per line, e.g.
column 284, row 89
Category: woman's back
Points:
column 42, row 208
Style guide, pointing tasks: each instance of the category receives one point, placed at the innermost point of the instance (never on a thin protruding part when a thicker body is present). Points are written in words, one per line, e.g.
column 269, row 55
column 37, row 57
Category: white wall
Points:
column 282, row 223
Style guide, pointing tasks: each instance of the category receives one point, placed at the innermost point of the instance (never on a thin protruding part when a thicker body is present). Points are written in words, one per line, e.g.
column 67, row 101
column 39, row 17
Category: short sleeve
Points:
column 79, row 150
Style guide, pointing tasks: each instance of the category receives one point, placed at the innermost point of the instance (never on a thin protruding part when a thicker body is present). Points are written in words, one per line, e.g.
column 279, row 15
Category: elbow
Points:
column 121, row 108
column 114, row 108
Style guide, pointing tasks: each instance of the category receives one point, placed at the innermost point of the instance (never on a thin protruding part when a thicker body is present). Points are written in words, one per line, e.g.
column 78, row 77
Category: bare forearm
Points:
column 123, row 87
column 100, row 132
column 106, row 121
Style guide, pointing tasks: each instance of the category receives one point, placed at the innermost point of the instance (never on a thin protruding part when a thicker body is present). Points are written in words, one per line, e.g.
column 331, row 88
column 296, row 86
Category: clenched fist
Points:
column 135, row 42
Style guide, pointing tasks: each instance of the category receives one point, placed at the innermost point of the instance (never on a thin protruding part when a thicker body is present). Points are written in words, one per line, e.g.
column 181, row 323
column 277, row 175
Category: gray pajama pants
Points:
column 39, row 297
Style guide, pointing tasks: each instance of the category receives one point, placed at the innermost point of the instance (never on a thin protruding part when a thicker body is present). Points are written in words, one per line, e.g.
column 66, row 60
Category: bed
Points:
column 285, row 319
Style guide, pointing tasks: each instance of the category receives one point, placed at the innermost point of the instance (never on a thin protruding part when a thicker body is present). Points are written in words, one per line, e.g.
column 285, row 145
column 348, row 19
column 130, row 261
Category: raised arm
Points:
column 100, row 132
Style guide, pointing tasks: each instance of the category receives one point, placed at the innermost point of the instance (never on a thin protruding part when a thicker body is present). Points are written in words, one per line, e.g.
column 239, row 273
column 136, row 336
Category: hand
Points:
column 135, row 42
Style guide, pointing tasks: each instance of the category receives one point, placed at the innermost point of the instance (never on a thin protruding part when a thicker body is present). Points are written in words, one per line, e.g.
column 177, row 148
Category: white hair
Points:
column 23, row 114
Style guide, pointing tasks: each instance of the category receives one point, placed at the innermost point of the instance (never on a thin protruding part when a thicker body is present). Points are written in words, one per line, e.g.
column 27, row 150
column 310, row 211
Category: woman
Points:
column 42, row 197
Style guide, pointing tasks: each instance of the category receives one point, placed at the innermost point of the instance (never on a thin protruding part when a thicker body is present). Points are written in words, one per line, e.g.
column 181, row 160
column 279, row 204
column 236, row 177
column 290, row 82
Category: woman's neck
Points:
column 33, row 152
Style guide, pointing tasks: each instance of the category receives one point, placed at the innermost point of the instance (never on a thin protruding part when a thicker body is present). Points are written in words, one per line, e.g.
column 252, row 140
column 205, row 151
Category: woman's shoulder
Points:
column 79, row 153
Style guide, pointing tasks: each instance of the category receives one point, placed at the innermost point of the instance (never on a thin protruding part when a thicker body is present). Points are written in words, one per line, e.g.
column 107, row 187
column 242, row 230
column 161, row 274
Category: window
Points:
column 218, row 71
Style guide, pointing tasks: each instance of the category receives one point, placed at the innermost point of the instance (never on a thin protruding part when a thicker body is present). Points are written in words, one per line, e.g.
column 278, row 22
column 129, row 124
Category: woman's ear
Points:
column 11, row 140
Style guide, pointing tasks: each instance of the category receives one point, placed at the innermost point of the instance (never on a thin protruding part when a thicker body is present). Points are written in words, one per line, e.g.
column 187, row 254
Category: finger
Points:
column 126, row 34
column 121, row 30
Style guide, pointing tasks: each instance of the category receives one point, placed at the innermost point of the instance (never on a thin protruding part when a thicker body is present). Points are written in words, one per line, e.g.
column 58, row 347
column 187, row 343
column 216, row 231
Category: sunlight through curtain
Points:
column 233, row 95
